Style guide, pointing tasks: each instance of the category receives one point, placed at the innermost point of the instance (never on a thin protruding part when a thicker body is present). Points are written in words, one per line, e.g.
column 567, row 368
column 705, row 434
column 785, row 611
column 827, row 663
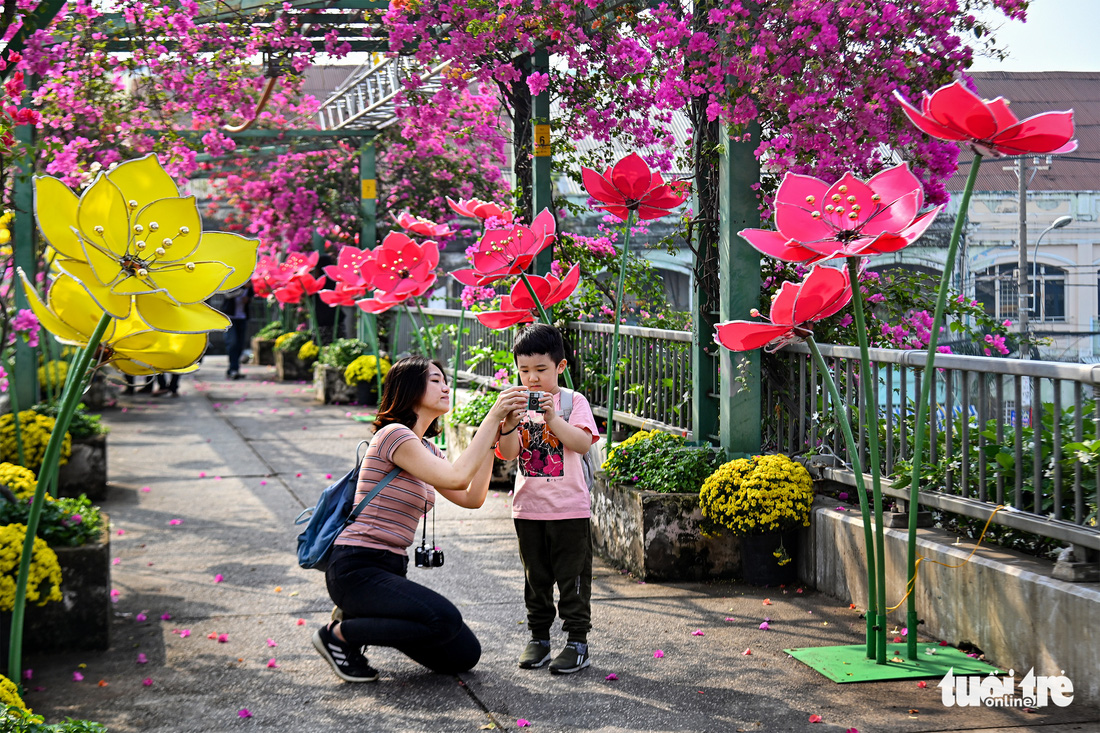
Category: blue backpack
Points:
column 335, row 510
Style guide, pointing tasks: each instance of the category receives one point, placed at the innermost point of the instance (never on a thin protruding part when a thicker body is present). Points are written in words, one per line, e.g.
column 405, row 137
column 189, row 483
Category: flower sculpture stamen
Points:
column 817, row 221
column 132, row 241
column 795, row 308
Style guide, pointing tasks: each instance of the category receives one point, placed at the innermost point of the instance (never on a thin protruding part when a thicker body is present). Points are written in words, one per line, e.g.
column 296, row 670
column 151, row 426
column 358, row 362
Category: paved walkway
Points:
column 207, row 486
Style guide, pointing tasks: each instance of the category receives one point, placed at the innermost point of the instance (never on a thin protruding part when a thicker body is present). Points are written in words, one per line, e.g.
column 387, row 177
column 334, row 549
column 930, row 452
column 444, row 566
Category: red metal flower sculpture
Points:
column 519, row 306
column 423, row 227
column 299, row 285
column 955, row 113
column 818, row 222
column 348, row 267
column 505, row 252
column 630, row 185
column 478, row 209
column 402, row 268
column 796, row 306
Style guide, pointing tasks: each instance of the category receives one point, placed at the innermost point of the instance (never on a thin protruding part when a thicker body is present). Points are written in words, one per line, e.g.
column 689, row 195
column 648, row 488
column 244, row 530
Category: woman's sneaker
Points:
column 573, row 658
column 535, row 655
column 347, row 662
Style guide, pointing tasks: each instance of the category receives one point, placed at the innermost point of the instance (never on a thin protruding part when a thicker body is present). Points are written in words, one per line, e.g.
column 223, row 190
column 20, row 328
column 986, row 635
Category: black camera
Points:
column 533, row 400
column 428, row 557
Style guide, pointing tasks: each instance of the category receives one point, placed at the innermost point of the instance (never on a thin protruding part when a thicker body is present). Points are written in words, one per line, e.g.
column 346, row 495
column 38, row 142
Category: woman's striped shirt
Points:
column 389, row 521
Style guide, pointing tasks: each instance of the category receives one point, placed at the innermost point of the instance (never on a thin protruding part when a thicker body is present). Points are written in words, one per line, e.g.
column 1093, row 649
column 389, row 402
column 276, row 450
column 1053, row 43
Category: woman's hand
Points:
column 510, row 405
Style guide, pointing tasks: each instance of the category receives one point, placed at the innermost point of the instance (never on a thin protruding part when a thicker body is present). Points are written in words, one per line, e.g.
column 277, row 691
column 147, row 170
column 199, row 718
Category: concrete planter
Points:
column 657, row 536
column 458, row 438
column 330, row 387
column 82, row 620
column 86, row 470
column 289, row 368
column 99, row 394
column 263, row 351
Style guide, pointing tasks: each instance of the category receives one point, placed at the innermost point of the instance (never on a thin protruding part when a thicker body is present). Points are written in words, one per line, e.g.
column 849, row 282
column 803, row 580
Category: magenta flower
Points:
column 955, row 113
column 630, row 185
column 795, row 308
column 816, row 221
column 244, row 713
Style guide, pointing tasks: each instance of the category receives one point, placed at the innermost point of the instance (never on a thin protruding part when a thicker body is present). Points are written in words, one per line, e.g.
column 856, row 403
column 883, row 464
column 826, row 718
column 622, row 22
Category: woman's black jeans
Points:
column 384, row 608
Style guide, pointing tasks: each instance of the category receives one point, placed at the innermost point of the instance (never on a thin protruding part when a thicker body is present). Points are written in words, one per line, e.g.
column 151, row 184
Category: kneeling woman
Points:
column 366, row 572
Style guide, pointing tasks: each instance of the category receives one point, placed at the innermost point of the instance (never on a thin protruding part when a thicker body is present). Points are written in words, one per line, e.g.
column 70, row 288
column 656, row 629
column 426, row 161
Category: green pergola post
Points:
column 368, row 196
column 739, row 288
column 704, row 399
column 542, row 183
column 24, row 381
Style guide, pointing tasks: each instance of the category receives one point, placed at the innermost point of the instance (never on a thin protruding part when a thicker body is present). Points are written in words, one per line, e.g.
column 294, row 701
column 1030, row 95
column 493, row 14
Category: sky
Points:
column 1059, row 35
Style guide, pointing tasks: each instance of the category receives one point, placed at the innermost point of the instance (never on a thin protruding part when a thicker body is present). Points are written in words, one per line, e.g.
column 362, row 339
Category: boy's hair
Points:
column 539, row 338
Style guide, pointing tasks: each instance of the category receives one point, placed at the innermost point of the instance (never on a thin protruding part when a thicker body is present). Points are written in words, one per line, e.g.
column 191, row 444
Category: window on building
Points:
column 996, row 289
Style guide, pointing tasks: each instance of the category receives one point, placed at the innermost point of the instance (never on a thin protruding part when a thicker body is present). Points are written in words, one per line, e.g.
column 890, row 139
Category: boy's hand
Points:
column 546, row 407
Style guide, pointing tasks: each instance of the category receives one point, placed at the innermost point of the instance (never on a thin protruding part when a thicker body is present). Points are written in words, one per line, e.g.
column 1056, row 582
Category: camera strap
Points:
column 424, row 533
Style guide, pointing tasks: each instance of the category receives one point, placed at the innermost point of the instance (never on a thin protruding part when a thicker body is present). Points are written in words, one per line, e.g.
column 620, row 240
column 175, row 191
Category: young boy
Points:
column 551, row 506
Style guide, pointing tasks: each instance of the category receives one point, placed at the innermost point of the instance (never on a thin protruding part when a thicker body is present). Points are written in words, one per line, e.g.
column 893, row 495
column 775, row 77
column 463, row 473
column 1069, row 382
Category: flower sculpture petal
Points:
column 478, row 209
column 132, row 241
column 505, row 252
column 401, row 267
column 631, row 185
column 850, row 218
column 342, row 295
column 423, row 227
column 508, row 315
column 129, row 344
column 955, row 113
column 549, row 289
column 348, row 267
column 796, row 306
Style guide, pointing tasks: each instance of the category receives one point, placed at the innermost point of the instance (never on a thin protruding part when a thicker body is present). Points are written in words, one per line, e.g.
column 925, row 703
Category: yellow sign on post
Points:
column 542, row 141
column 370, row 188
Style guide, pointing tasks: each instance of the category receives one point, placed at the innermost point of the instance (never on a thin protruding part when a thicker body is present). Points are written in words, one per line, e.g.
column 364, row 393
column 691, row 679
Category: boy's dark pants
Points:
column 558, row 552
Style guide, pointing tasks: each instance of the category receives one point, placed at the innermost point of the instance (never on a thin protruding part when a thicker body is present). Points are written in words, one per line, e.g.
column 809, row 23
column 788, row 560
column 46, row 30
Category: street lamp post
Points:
column 1058, row 223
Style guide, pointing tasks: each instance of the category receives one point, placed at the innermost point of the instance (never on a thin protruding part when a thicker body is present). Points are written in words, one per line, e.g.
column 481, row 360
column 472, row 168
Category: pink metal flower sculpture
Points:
column 348, row 267
column 850, row 218
column 423, row 227
column 630, row 185
column 505, row 252
column 795, row 308
column 518, row 306
column 955, row 113
column 478, row 209
column 298, row 286
column 401, row 267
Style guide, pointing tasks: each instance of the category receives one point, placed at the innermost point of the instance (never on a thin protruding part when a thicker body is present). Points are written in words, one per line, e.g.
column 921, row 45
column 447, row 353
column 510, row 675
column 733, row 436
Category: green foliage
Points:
column 19, row 720
column 474, row 410
column 658, row 461
column 272, row 330
column 342, row 352
column 83, row 425
column 65, row 522
column 504, row 364
column 291, row 342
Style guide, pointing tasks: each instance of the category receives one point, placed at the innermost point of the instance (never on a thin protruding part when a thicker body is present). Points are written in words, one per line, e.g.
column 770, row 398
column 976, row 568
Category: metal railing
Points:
column 998, row 435
column 654, row 390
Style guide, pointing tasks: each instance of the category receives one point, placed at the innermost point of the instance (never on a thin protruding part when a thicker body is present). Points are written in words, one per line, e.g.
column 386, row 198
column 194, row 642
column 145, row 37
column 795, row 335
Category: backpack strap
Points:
column 371, row 494
column 566, row 403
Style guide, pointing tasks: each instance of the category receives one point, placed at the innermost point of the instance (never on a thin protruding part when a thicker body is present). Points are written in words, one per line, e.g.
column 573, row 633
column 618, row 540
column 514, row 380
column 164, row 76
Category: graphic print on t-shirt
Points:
column 543, row 454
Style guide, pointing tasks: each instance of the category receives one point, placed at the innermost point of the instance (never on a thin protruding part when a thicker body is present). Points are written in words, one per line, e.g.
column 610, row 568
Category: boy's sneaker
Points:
column 536, row 655
column 573, row 658
column 347, row 662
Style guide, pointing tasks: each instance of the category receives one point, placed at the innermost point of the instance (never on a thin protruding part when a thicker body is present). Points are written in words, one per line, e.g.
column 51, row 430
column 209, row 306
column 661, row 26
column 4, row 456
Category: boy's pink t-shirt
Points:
column 550, row 483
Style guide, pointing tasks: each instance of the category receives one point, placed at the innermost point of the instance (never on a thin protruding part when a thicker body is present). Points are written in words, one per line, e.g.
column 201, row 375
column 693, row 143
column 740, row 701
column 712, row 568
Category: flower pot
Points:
column 289, row 368
column 759, row 564
column 366, row 393
column 86, row 470
column 329, row 385
column 263, row 351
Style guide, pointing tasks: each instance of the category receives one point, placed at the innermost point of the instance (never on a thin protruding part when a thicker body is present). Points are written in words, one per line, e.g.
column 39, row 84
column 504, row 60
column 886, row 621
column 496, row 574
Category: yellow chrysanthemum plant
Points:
column 364, row 369
column 132, row 268
column 759, row 495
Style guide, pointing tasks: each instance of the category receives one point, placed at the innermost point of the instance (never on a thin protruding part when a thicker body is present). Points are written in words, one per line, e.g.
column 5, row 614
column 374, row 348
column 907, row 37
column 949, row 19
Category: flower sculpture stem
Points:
column 14, row 401
column 911, row 619
column 419, row 333
column 311, row 309
column 614, row 363
column 876, row 602
column 47, row 474
column 428, row 339
column 457, row 353
column 874, row 644
column 546, row 319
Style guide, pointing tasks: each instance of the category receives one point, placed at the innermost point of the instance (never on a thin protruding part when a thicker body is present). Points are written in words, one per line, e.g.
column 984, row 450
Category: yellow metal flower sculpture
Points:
column 134, row 243
column 133, row 269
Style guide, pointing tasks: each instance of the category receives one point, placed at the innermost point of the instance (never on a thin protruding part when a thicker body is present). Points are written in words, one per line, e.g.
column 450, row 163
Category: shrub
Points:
column 474, row 410
column 309, row 351
column 758, row 495
column 9, row 696
column 291, row 342
column 363, row 369
column 35, row 430
column 44, row 582
column 24, row 721
column 342, row 352
column 272, row 330
column 82, row 425
column 21, row 481
column 65, row 522
column 53, row 373
column 654, row 460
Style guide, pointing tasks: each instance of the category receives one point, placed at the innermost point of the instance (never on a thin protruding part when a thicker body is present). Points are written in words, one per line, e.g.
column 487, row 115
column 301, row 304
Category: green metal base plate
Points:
column 363, row 418
column 850, row 663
